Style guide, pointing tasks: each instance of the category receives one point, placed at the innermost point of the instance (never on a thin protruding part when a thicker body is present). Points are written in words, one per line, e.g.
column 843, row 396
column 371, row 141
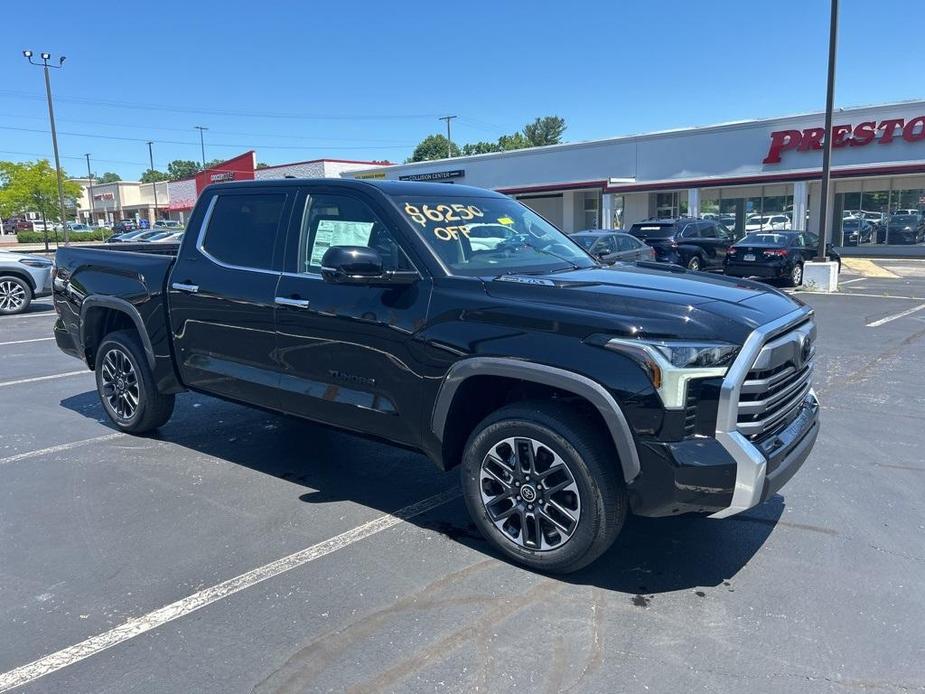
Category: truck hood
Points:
column 644, row 300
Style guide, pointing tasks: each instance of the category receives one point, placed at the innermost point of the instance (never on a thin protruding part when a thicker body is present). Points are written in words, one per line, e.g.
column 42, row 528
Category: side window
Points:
column 689, row 232
column 723, row 232
column 342, row 220
column 708, row 230
column 626, row 243
column 242, row 229
column 606, row 245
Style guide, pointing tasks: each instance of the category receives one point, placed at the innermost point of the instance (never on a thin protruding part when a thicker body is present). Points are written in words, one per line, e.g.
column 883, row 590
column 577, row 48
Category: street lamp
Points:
column 27, row 54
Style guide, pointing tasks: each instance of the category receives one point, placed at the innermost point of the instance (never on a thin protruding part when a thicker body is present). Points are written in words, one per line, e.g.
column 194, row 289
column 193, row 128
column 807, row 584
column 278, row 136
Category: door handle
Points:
column 188, row 288
column 295, row 303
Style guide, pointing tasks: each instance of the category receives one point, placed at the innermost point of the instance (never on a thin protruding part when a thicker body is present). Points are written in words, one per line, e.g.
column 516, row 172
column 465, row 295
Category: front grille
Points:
column 778, row 382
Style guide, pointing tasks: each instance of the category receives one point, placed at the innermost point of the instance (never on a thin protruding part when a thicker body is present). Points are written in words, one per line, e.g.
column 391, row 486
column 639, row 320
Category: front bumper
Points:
column 718, row 476
column 766, row 271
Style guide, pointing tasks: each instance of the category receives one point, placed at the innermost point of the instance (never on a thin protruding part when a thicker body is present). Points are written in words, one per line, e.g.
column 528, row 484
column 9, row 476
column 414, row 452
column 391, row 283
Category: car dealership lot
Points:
column 820, row 589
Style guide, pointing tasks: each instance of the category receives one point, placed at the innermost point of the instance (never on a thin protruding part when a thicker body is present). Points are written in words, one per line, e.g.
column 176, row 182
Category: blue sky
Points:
column 367, row 80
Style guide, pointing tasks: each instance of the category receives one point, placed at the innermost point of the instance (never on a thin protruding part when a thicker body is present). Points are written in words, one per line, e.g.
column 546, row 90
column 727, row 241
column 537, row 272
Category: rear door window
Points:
column 242, row 227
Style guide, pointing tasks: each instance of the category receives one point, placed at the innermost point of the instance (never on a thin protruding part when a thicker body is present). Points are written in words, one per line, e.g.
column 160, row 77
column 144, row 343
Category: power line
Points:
column 223, row 112
column 216, row 132
column 196, row 144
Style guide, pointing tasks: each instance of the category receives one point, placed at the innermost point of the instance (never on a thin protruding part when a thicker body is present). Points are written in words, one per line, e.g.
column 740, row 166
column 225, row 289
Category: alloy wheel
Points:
column 694, row 264
column 796, row 275
column 530, row 494
column 12, row 296
column 119, row 383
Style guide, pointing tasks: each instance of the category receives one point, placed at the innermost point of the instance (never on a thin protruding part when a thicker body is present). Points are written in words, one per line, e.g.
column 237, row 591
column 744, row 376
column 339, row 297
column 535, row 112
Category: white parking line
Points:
column 59, row 448
column 29, row 315
column 22, row 342
column 44, row 378
column 139, row 625
column 856, row 279
column 901, row 314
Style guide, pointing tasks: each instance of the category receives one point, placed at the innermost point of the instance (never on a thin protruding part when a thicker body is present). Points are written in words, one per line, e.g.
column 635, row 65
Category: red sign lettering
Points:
column 844, row 136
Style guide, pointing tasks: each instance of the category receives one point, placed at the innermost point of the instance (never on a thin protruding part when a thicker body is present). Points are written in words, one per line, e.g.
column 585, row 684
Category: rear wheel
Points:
column 15, row 295
column 126, row 387
column 795, row 279
column 542, row 486
column 694, row 264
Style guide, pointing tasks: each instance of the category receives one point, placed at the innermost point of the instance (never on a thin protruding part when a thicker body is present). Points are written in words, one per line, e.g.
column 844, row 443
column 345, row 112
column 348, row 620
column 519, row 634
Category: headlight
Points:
column 35, row 262
column 672, row 363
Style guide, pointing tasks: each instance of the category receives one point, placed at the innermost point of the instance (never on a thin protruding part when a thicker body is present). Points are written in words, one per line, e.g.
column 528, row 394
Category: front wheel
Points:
column 694, row 264
column 126, row 386
column 542, row 486
column 15, row 295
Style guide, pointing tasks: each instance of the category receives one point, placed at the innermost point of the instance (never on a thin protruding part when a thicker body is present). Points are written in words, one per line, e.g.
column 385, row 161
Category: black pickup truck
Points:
column 455, row 321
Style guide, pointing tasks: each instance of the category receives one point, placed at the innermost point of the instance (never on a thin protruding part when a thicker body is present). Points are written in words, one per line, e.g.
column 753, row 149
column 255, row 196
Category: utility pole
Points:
column 827, row 140
column 54, row 135
column 449, row 140
column 153, row 183
column 202, row 143
column 90, row 187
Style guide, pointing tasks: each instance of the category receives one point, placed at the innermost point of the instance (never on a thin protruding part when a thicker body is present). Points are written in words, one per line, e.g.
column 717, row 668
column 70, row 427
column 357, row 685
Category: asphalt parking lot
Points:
column 238, row 551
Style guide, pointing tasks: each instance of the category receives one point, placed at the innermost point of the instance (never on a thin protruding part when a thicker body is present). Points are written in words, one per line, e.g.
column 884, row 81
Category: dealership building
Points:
column 738, row 172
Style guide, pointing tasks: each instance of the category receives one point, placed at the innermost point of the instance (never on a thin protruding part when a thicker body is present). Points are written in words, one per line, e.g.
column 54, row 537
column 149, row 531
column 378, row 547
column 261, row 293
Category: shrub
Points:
column 39, row 236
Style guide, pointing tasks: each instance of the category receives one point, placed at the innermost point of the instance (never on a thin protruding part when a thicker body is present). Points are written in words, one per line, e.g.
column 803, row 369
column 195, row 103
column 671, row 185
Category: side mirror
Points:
column 361, row 265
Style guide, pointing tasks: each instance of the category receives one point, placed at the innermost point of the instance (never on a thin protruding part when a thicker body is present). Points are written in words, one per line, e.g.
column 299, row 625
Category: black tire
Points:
column 122, row 377
column 588, row 455
column 694, row 264
column 795, row 278
column 15, row 295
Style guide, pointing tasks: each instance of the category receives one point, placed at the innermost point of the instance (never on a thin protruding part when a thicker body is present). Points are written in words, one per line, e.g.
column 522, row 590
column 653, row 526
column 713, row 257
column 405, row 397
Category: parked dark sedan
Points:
column 856, row 231
column 697, row 244
column 610, row 246
column 124, row 226
column 776, row 255
column 904, row 228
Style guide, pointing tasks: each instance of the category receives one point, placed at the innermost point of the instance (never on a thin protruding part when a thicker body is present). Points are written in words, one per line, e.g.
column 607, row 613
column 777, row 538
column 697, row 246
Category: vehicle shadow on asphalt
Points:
column 651, row 555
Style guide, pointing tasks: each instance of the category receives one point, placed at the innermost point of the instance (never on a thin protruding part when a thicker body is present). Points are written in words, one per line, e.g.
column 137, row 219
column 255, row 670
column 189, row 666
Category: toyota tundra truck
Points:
column 567, row 393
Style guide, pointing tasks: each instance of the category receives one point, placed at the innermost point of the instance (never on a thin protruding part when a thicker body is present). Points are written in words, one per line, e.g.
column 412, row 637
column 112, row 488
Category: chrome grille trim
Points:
column 766, row 349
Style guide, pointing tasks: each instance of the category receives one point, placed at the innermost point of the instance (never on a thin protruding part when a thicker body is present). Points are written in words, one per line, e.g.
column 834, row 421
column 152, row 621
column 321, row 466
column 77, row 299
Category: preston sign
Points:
column 858, row 135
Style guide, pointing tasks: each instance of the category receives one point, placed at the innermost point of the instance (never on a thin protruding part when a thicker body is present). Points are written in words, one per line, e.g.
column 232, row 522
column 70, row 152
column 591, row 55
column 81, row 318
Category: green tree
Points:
column 433, row 147
column 182, row 168
column 261, row 165
column 153, row 175
column 547, row 130
column 212, row 163
column 33, row 187
column 109, row 177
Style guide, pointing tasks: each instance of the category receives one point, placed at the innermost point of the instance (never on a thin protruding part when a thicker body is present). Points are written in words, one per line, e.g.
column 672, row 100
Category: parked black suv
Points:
column 567, row 392
column 697, row 244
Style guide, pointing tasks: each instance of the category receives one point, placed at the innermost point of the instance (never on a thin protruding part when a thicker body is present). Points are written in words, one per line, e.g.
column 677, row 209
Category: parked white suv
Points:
column 22, row 278
column 769, row 222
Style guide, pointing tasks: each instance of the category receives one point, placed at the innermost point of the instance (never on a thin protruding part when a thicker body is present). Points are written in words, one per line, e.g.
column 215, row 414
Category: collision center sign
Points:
column 860, row 135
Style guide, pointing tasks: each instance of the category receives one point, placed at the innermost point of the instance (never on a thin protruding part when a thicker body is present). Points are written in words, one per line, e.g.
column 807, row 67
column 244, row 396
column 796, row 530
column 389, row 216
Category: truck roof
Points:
column 387, row 187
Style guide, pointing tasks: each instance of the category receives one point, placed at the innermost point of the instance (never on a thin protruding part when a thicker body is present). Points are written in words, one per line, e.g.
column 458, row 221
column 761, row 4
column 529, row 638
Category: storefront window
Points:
column 672, row 204
column 887, row 215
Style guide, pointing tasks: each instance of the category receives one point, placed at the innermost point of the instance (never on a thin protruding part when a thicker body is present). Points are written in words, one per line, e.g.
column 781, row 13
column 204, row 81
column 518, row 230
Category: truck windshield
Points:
column 490, row 236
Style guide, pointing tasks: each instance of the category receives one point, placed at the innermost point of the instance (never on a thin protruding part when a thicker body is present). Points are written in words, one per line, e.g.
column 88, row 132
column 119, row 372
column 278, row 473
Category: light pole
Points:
column 202, row 143
column 153, row 183
column 90, row 187
column 449, row 140
column 827, row 140
column 54, row 135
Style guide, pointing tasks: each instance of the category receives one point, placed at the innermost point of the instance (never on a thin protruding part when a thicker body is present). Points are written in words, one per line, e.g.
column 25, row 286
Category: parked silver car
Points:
column 23, row 278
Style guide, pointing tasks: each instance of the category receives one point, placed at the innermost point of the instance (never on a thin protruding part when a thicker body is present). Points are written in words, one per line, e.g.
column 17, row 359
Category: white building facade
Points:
column 735, row 172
